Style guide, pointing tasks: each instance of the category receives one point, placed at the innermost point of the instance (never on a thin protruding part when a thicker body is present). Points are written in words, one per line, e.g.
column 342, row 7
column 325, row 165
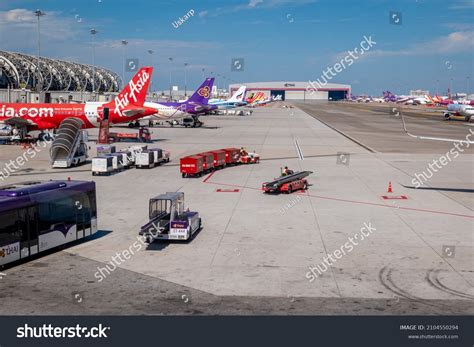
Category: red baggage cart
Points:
column 219, row 158
column 232, row 155
column 208, row 163
column 191, row 166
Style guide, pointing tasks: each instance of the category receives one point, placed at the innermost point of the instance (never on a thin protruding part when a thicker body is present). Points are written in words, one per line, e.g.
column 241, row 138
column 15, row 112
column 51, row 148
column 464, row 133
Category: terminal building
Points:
column 296, row 90
column 27, row 78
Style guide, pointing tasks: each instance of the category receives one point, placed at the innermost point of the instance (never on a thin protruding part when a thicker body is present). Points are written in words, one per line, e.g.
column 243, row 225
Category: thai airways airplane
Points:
column 235, row 100
column 196, row 105
column 127, row 106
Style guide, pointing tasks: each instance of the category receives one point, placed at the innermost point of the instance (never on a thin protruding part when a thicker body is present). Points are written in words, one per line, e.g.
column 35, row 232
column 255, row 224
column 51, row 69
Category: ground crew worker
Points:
column 243, row 152
column 287, row 171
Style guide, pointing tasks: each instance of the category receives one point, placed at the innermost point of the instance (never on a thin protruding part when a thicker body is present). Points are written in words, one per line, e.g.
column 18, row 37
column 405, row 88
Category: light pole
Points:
column 171, row 60
column 437, row 87
column 150, row 52
column 93, row 33
column 185, row 80
column 38, row 13
column 203, row 69
column 468, row 78
column 124, row 44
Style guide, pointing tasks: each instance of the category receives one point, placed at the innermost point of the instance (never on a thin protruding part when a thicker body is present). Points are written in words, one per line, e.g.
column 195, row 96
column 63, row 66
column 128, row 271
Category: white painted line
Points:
column 298, row 150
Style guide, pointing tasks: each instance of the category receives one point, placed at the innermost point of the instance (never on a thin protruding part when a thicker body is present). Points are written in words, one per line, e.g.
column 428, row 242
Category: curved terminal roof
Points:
column 21, row 71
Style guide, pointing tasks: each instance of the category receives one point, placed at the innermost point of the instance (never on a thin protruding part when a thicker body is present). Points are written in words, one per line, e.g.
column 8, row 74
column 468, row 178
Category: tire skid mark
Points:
column 432, row 277
column 385, row 277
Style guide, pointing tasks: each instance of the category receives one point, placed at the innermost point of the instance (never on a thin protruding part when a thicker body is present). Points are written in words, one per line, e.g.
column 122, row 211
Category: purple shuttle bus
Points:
column 37, row 216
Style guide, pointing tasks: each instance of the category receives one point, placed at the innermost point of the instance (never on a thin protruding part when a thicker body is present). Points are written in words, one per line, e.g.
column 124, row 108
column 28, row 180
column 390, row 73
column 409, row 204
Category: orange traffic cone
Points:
column 389, row 190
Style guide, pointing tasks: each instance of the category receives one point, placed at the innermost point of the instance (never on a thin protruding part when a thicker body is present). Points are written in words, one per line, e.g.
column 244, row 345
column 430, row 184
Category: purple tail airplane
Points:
column 195, row 106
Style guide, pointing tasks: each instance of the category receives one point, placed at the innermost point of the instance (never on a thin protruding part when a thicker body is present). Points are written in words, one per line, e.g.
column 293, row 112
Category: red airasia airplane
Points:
column 126, row 107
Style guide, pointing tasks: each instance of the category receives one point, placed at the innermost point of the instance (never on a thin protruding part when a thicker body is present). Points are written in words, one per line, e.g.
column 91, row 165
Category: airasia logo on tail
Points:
column 33, row 112
column 130, row 94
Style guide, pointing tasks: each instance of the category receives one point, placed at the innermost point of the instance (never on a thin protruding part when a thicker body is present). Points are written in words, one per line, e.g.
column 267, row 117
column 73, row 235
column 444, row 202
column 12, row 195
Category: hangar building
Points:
column 296, row 90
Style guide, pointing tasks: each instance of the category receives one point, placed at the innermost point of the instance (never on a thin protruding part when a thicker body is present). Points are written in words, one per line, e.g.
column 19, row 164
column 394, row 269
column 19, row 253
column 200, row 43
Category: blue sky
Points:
column 280, row 40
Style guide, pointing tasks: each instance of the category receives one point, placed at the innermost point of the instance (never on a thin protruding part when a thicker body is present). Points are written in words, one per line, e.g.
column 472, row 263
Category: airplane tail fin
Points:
column 203, row 93
column 239, row 94
column 134, row 93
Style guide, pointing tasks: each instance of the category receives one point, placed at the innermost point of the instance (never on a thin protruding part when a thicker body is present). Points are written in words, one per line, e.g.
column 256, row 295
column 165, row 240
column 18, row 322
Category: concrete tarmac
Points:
column 254, row 254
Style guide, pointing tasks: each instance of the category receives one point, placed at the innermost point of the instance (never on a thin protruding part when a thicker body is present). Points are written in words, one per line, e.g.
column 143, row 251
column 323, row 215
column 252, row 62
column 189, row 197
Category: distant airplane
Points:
column 127, row 106
column 459, row 110
column 196, row 105
column 235, row 101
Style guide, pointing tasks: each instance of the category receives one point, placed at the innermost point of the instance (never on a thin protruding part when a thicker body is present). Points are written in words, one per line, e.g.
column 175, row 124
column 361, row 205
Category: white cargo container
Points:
column 102, row 165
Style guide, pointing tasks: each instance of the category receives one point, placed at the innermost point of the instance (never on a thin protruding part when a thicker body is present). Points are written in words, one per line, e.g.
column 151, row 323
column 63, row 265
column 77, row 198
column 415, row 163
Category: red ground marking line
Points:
column 400, row 197
column 208, row 176
column 227, row 190
column 206, row 180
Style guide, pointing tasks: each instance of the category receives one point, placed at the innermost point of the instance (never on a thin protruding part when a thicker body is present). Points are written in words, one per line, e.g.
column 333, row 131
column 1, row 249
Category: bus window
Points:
column 9, row 228
column 51, row 213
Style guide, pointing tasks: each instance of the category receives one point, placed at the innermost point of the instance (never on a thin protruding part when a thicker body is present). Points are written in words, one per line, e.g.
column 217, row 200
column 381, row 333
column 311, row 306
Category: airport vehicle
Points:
column 124, row 159
column 168, row 220
column 208, row 161
column 219, row 158
column 249, row 158
column 127, row 106
column 117, row 161
column 198, row 164
column 236, row 100
column 104, row 150
column 287, row 184
column 192, row 166
column 232, row 156
column 190, row 122
column 143, row 135
column 69, row 147
column 459, row 111
column 102, row 165
column 151, row 157
column 195, row 106
column 37, row 216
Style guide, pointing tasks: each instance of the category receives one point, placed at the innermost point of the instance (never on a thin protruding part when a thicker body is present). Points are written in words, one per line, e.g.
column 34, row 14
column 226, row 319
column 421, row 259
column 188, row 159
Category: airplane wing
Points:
column 431, row 138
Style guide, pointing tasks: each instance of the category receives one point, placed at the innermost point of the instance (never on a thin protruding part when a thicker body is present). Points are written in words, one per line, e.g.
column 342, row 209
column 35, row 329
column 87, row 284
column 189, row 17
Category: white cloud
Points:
column 462, row 5
column 456, row 42
column 254, row 3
